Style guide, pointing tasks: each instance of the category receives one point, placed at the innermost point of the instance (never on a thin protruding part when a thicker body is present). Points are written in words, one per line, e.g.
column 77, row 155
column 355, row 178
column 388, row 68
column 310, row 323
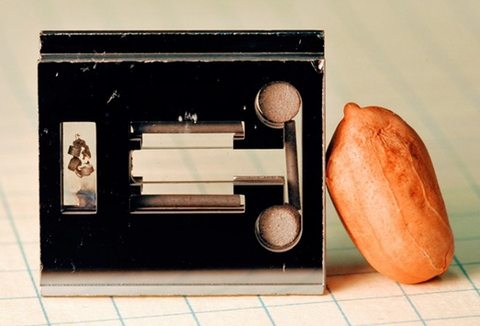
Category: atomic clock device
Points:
column 182, row 162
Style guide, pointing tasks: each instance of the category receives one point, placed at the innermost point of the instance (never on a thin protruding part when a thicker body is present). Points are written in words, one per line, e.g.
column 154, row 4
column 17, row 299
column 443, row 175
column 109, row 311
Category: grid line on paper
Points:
column 471, row 263
column 411, row 303
column 266, row 310
column 441, row 57
column 18, row 270
column 466, row 275
column 378, row 58
column 468, row 15
column 456, row 318
column 384, row 296
column 117, row 311
column 18, row 298
column 339, row 307
column 16, row 84
column 8, row 243
column 256, row 307
column 22, row 250
column 194, row 315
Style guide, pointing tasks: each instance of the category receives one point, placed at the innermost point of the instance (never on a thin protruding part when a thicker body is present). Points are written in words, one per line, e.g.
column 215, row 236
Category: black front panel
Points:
column 112, row 95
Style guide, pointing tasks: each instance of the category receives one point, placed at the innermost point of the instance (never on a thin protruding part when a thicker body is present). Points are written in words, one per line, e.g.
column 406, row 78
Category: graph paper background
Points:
column 418, row 58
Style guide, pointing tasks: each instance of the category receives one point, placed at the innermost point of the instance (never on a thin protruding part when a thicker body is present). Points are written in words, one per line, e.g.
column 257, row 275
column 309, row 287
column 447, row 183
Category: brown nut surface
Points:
column 383, row 185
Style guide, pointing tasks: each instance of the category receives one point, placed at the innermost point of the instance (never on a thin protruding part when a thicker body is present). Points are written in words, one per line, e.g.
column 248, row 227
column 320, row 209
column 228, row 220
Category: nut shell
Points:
column 383, row 185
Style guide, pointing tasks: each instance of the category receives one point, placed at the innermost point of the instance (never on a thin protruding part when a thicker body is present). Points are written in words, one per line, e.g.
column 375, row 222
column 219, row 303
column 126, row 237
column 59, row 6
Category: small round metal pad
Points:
column 277, row 103
column 278, row 228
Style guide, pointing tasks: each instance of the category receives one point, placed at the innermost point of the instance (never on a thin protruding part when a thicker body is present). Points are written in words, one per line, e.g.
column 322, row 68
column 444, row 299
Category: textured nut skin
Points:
column 383, row 185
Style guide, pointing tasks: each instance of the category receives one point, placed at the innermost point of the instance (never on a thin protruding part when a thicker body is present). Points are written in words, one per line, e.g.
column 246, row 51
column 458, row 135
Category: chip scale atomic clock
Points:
column 182, row 163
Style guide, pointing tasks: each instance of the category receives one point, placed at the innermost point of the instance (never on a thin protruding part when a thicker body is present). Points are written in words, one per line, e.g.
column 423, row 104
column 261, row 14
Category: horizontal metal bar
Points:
column 187, row 204
column 247, row 281
column 258, row 180
column 184, row 57
column 237, row 180
column 237, row 128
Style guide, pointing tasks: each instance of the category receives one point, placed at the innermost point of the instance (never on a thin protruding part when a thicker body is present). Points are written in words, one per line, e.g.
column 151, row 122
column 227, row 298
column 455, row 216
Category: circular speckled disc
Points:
column 277, row 103
column 278, row 227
